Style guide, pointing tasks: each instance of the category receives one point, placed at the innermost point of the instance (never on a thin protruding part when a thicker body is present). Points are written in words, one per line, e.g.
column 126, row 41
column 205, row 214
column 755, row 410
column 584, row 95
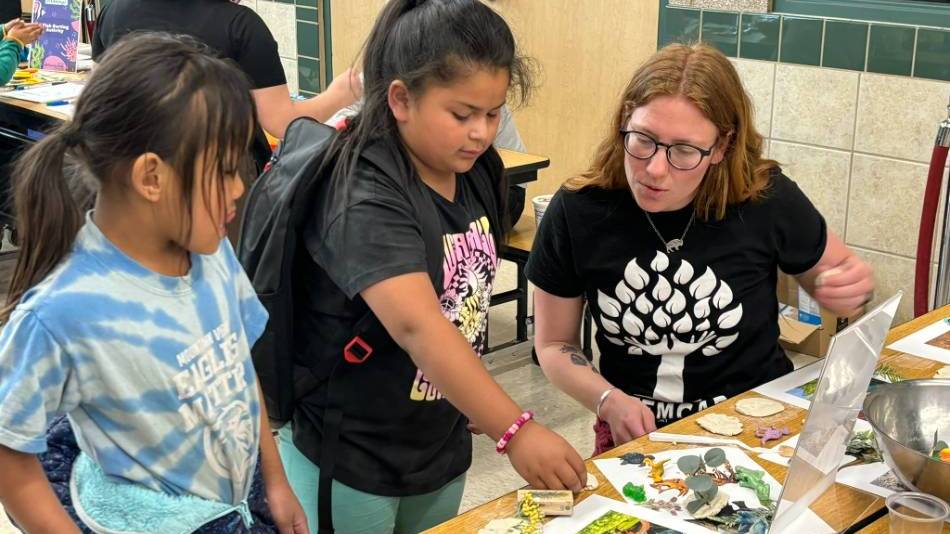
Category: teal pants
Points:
column 357, row 512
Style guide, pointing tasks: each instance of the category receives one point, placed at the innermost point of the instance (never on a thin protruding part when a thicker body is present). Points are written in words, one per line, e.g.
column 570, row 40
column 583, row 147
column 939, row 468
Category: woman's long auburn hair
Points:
column 704, row 76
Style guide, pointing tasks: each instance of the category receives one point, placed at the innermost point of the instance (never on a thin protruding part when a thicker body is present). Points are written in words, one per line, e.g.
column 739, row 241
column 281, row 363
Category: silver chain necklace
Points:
column 673, row 244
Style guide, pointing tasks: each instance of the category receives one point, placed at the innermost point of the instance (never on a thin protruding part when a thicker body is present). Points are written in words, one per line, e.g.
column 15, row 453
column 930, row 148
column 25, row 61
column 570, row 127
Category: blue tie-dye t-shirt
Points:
column 154, row 371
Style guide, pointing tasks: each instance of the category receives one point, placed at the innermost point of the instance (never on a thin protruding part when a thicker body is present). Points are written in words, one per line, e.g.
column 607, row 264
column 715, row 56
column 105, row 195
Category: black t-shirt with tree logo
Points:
column 684, row 329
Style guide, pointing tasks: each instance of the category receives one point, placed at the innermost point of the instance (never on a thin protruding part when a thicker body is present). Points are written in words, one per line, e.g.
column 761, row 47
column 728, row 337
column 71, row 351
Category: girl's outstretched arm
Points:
column 28, row 498
column 409, row 309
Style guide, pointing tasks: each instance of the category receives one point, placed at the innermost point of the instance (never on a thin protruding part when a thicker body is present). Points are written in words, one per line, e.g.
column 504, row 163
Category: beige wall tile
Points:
column 249, row 3
column 282, row 22
column 814, row 106
column 758, row 78
column 822, row 174
column 892, row 273
column 885, row 203
column 290, row 70
column 759, row 6
column 898, row 116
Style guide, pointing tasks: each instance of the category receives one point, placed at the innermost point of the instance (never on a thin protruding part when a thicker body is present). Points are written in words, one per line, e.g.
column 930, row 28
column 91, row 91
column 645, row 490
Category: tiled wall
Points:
column 296, row 27
column 760, row 6
column 858, row 143
column 902, row 50
column 850, row 110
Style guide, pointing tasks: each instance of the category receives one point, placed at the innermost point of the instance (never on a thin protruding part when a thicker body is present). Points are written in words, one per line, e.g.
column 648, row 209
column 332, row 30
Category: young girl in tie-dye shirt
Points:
column 135, row 318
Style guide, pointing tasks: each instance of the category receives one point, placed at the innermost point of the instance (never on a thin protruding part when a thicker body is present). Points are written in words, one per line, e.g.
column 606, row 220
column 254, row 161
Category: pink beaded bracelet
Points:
column 512, row 430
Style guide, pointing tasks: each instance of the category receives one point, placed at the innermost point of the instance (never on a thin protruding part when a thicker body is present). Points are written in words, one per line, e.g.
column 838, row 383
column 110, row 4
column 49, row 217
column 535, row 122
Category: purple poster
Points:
column 56, row 49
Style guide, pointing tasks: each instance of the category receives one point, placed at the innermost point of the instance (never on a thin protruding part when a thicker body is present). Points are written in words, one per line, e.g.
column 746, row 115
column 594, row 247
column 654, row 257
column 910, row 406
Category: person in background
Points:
column 675, row 236
column 16, row 35
column 135, row 319
column 10, row 9
column 235, row 32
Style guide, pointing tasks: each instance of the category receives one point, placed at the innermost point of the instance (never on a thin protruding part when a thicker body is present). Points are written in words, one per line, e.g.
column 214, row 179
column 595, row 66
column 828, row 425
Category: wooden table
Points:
column 841, row 506
column 522, row 167
column 22, row 123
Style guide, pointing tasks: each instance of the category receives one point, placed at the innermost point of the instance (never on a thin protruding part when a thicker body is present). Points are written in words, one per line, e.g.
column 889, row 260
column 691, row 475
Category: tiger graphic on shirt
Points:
column 470, row 262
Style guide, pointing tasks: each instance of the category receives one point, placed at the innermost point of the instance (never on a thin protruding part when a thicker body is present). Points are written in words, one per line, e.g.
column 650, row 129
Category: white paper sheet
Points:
column 47, row 93
column 780, row 389
column 595, row 506
column 859, row 426
column 619, row 475
column 925, row 343
column 873, row 478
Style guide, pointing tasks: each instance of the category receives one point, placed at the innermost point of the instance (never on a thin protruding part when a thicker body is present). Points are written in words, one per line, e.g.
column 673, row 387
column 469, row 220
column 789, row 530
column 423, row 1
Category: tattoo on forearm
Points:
column 577, row 356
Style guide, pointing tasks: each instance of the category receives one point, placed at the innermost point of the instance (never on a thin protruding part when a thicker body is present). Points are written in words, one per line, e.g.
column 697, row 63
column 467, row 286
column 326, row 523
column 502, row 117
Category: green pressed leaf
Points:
column 692, row 506
column 700, row 483
column 715, row 457
column 689, row 465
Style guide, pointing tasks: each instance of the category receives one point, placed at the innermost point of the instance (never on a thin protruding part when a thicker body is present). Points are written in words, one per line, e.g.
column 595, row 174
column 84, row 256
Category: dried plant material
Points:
column 713, row 507
column 724, row 425
column 592, row 482
column 759, row 407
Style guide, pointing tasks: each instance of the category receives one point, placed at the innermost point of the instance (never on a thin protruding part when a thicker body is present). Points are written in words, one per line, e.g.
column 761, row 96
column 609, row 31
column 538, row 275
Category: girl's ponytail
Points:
column 48, row 215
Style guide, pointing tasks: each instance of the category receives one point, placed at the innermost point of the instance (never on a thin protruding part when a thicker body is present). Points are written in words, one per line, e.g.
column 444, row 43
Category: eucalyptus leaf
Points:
column 689, row 465
column 700, row 483
column 692, row 506
column 707, row 495
column 715, row 457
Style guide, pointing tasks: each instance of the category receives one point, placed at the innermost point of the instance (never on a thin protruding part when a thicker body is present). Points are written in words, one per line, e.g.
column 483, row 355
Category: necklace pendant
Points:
column 674, row 245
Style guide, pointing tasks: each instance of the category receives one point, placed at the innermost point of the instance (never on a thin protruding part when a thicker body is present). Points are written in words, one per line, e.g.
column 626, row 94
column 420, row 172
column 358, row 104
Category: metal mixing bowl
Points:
column 905, row 416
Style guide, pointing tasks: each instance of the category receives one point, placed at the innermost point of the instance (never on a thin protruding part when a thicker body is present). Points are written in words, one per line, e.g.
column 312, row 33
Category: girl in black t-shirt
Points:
column 674, row 236
column 407, row 226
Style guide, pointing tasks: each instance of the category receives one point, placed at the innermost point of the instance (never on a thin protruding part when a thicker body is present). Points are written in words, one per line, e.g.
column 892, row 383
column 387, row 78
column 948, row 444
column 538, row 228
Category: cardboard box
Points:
column 797, row 333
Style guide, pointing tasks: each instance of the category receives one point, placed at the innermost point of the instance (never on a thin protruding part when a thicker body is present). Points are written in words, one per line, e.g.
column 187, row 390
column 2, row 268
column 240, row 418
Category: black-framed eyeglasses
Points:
column 681, row 156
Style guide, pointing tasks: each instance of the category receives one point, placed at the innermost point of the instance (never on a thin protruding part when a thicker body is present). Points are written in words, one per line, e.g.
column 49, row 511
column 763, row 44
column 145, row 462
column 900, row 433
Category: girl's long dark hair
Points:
column 422, row 42
column 151, row 92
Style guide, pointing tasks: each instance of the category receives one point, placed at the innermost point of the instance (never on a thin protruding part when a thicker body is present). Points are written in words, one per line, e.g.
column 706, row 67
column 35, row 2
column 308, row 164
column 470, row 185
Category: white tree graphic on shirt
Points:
column 671, row 314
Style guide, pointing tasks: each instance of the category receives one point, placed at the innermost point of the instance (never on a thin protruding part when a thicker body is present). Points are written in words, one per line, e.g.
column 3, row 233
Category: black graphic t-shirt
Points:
column 685, row 329
column 399, row 435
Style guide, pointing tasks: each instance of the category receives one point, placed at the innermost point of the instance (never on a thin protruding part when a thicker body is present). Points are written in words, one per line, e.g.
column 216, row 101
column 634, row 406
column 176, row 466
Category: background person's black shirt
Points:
column 234, row 31
column 399, row 436
column 231, row 30
column 685, row 329
column 9, row 10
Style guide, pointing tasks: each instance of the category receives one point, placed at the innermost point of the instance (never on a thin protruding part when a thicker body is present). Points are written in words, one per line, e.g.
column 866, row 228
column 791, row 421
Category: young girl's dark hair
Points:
column 425, row 42
column 152, row 92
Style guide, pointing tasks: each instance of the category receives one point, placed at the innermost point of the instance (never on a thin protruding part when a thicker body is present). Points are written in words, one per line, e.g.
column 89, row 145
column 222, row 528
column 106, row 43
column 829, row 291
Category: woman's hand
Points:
column 627, row 416
column 845, row 288
column 545, row 460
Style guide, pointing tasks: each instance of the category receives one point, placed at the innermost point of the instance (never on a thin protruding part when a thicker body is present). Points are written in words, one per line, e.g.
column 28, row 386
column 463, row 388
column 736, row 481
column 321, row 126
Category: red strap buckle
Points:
column 357, row 351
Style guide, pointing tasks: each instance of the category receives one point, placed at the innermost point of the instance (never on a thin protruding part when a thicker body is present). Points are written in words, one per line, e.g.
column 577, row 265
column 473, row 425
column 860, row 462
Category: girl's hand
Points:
column 25, row 33
column 627, row 416
column 845, row 288
column 545, row 460
column 284, row 506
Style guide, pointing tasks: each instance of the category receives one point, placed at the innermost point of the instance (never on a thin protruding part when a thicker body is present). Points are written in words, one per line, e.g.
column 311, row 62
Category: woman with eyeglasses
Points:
column 674, row 237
